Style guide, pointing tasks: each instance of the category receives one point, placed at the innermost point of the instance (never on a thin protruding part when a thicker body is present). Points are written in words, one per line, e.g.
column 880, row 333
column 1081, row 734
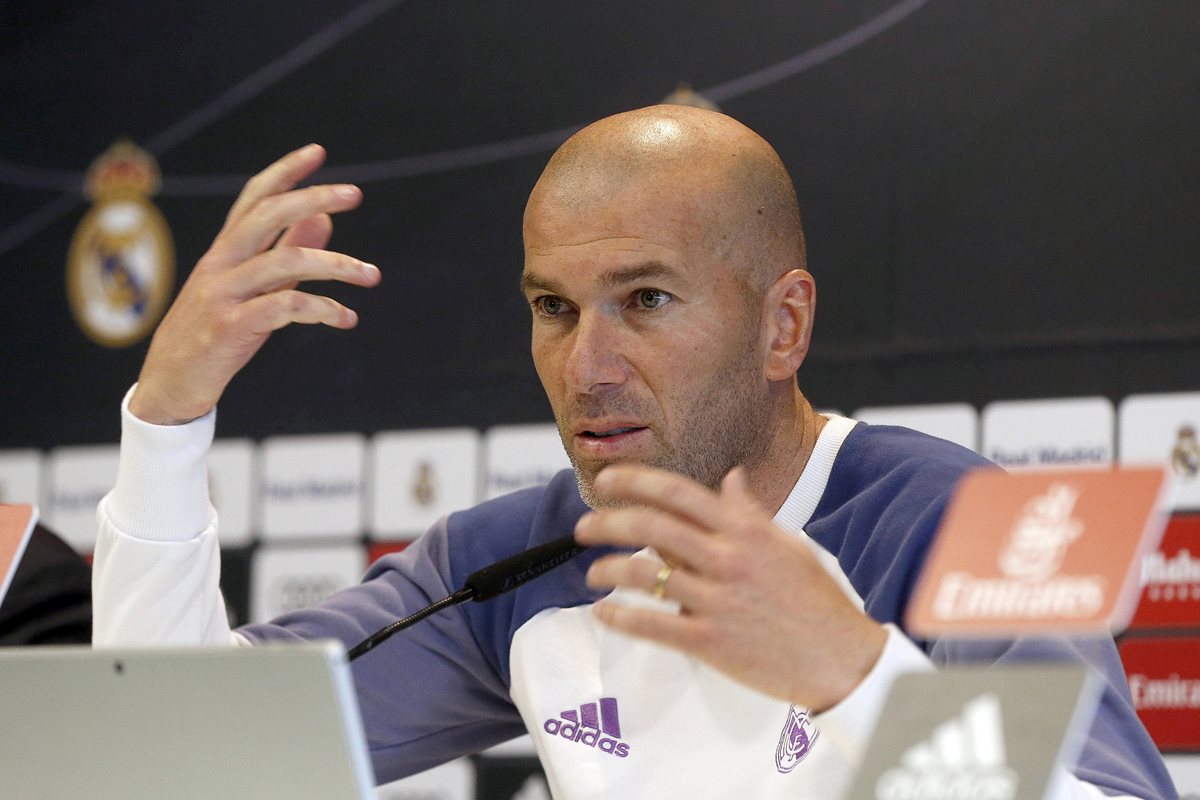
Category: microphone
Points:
column 485, row 584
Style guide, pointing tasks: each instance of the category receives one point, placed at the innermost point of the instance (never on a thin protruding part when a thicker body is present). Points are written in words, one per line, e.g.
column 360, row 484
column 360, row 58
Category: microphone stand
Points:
column 484, row 584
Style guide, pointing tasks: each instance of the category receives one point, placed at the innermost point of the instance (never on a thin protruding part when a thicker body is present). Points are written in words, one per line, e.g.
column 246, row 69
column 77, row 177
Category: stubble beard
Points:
column 726, row 424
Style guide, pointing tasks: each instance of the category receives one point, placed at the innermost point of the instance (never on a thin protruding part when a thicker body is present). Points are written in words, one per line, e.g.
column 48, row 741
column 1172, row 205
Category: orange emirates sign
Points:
column 1039, row 552
column 16, row 525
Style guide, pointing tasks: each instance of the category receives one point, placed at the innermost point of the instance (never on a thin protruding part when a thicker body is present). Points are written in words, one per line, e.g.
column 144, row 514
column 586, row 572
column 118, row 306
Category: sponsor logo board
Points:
column 1185, row 772
column 954, row 422
column 20, row 476
column 77, row 478
column 289, row 577
column 1164, row 682
column 312, row 486
column 1039, row 552
column 1165, row 429
column 1072, row 432
column 519, row 456
column 420, row 477
column 1170, row 578
column 231, row 483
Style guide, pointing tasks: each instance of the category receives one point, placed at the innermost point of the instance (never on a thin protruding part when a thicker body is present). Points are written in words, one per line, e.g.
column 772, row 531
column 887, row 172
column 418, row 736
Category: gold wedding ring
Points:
column 660, row 581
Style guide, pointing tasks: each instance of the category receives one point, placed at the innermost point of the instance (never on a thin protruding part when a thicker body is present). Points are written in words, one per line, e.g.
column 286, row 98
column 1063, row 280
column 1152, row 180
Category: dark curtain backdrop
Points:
column 1001, row 198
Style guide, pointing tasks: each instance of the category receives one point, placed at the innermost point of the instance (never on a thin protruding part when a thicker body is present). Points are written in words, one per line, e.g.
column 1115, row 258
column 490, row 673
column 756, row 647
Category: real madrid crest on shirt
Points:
column 121, row 265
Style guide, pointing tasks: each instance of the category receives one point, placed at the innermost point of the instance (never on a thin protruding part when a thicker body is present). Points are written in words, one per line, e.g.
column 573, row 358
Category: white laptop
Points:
column 275, row 721
column 979, row 732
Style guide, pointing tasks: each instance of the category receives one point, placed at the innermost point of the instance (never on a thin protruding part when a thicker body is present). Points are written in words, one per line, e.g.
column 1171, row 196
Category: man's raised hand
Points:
column 755, row 601
column 244, row 288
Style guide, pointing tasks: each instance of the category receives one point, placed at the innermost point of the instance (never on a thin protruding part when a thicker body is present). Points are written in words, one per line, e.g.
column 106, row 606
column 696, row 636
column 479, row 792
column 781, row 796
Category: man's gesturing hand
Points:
column 755, row 601
column 244, row 288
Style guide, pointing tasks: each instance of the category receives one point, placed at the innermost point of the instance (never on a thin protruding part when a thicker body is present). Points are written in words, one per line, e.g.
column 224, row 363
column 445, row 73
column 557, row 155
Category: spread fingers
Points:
column 280, row 176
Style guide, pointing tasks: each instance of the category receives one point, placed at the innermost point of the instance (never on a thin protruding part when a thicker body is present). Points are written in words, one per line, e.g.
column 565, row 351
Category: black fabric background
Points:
column 1000, row 197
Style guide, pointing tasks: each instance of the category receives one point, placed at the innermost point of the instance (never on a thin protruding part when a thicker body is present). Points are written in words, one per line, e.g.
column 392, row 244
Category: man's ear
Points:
column 788, row 312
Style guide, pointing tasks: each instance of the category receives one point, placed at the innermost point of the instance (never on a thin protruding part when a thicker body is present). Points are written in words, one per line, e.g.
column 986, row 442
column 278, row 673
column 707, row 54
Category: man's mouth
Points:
column 604, row 434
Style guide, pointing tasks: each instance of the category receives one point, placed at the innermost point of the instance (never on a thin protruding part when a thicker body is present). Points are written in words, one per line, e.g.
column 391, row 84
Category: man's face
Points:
column 646, row 342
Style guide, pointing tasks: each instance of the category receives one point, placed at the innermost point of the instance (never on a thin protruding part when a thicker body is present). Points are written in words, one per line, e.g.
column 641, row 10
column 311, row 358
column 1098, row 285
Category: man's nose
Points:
column 595, row 360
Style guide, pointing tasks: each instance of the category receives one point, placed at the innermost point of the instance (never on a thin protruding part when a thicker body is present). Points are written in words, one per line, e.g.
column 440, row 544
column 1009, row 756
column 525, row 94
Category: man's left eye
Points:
column 651, row 298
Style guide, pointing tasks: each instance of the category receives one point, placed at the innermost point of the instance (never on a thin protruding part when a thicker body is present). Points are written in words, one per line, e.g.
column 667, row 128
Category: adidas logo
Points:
column 963, row 758
column 593, row 724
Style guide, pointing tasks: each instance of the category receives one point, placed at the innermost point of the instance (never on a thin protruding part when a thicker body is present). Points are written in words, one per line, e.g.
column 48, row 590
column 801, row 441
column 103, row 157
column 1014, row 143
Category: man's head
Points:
column 664, row 265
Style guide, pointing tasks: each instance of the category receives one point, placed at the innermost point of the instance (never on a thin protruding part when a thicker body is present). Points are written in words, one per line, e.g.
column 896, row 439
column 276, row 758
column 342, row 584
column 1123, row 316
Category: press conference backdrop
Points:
column 1001, row 200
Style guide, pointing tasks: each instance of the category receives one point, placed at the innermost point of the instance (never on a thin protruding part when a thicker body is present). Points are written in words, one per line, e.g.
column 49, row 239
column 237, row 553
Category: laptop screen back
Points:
column 271, row 721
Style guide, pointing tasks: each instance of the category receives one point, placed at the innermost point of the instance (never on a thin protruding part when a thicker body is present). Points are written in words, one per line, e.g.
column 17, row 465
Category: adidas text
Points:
column 574, row 732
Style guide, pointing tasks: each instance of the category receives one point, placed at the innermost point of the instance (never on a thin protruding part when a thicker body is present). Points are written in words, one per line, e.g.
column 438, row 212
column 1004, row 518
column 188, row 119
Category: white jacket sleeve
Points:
column 851, row 721
column 156, row 571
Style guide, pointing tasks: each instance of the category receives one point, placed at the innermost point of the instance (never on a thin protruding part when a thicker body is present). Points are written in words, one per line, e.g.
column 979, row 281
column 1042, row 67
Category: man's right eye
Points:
column 550, row 306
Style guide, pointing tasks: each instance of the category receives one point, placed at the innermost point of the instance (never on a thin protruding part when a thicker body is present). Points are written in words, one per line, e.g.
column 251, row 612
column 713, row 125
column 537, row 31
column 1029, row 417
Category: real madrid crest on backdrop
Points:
column 121, row 265
column 685, row 95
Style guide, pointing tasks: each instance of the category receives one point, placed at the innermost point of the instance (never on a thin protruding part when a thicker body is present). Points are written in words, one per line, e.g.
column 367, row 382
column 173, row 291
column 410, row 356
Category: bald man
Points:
column 734, row 628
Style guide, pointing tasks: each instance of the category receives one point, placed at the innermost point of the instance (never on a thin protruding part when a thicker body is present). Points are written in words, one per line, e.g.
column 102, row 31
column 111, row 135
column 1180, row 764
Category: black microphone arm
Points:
column 484, row 584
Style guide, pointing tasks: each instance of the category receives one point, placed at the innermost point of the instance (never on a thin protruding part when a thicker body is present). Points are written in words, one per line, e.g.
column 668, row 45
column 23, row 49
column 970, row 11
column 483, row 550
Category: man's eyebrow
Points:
column 534, row 283
column 648, row 270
